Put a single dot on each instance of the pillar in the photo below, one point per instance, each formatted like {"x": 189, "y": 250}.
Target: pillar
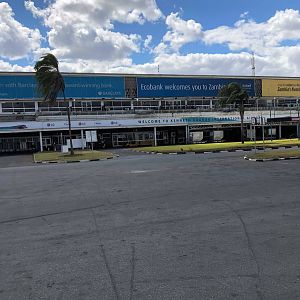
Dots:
{"x": 155, "y": 140}
{"x": 82, "y": 145}
{"x": 36, "y": 106}
{"x": 41, "y": 141}
{"x": 279, "y": 131}
{"x": 187, "y": 134}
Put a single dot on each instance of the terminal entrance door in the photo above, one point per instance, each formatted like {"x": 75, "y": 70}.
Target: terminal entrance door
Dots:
{"x": 132, "y": 139}
{"x": 162, "y": 137}
{"x": 119, "y": 140}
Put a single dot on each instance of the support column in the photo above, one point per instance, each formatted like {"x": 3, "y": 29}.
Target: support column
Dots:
{"x": 279, "y": 131}
{"x": 187, "y": 134}
{"x": 155, "y": 140}
{"x": 36, "y": 106}
{"x": 0, "y": 107}
{"x": 131, "y": 105}
{"x": 82, "y": 146}
{"x": 210, "y": 103}
{"x": 41, "y": 141}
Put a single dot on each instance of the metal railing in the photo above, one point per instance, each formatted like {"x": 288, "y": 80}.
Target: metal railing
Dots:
{"x": 141, "y": 112}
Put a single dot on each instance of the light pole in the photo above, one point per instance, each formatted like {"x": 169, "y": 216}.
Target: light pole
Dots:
{"x": 271, "y": 121}
{"x": 262, "y": 122}
{"x": 70, "y": 103}
{"x": 298, "y": 125}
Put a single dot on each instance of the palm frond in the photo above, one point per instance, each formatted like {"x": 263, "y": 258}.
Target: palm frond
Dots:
{"x": 50, "y": 82}
{"x": 235, "y": 95}
{"x": 232, "y": 94}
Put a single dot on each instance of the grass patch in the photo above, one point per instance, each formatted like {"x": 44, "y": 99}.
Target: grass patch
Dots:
{"x": 62, "y": 157}
{"x": 275, "y": 154}
{"x": 221, "y": 146}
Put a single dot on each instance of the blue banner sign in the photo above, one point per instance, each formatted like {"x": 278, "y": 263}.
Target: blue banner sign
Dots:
{"x": 164, "y": 87}
{"x": 77, "y": 87}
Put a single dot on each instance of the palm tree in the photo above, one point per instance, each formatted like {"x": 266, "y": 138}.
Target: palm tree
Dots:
{"x": 234, "y": 94}
{"x": 50, "y": 84}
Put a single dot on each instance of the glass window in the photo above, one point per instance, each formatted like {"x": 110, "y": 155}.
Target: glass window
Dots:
{"x": 28, "y": 104}
{"x": 7, "y": 105}
{"x": 18, "y": 104}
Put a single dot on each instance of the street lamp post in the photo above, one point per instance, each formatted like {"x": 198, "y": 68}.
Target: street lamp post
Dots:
{"x": 262, "y": 122}
{"x": 298, "y": 125}
{"x": 271, "y": 122}
{"x": 69, "y": 124}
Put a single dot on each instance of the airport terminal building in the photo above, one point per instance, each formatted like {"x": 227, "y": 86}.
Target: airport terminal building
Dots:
{"x": 129, "y": 110}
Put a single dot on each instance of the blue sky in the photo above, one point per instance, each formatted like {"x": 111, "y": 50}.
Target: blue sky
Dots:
{"x": 181, "y": 37}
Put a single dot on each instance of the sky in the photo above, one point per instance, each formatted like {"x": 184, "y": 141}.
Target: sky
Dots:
{"x": 205, "y": 37}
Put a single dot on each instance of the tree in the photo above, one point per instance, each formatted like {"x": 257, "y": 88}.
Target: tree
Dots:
{"x": 235, "y": 95}
{"x": 50, "y": 83}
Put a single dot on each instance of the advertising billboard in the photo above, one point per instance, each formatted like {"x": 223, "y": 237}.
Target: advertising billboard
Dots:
{"x": 280, "y": 88}
{"x": 77, "y": 87}
{"x": 164, "y": 87}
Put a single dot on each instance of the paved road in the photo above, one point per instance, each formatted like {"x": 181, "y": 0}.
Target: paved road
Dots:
{"x": 16, "y": 160}
{"x": 189, "y": 226}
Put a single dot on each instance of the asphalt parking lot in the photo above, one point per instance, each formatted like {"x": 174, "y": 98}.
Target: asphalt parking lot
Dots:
{"x": 193, "y": 226}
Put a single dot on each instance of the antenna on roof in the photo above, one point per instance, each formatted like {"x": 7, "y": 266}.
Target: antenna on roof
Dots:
{"x": 253, "y": 64}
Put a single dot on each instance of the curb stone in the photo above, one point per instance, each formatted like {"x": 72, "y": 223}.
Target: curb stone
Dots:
{"x": 271, "y": 159}
{"x": 73, "y": 161}
{"x": 216, "y": 151}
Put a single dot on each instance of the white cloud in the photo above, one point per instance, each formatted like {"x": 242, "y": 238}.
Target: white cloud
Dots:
{"x": 160, "y": 49}
{"x": 7, "y": 67}
{"x": 148, "y": 41}
{"x": 36, "y": 12}
{"x": 258, "y": 37}
{"x": 90, "y": 66}
{"x": 244, "y": 14}
{"x": 16, "y": 40}
{"x": 283, "y": 62}
{"x": 197, "y": 63}
{"x": 99, "y": 12}
{"x": 181, "y": 32}
{"x": 82, "y": 35}
{"x": 84, "y": 43}
{"x": 84, "y": 29}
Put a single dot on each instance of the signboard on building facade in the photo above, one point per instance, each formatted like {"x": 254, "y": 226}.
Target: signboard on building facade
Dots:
{"x": 207, "y": 118}
{"x": 164, "y": 87}
{"x": 280, "y": 88}
{"x": 117, "y": 123}
{"x": 91, "y": 136}
{"x": 77, "y": 87}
